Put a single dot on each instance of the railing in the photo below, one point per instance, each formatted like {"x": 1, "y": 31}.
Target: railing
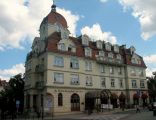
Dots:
{"x": 110, "y": 61}
{"x": 39, "y": 68}
{"x": 40, "y": 84}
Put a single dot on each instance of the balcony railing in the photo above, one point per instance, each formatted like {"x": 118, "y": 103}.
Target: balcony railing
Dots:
{"x": 39, "y": 68}
{"x": 110, "y": 61}
{"x": 40, "y": 85}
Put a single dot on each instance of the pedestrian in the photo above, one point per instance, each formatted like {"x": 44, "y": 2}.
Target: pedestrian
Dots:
{"x": 137, "y": 109}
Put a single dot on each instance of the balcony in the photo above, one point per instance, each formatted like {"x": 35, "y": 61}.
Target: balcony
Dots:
{"x": 40, "y": 85}
{"x": 39, "y": 68}
{"x": 109, "y": 61}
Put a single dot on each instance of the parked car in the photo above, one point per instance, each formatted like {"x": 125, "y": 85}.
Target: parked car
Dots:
{"x": 152, "y": 106}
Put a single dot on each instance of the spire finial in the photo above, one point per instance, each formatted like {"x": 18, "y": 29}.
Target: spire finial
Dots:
{"x": 53, "y": 6}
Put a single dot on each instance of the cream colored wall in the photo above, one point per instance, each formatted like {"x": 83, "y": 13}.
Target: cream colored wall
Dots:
{"x": 95, "y": 73}
{"x": 136, "y": 77}
{"x": 67, "y": 93}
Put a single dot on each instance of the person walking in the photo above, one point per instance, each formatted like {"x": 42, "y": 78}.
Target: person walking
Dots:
{"x": 137, "y": 109}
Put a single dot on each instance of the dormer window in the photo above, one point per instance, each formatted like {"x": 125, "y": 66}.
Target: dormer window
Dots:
{"x": 88, "y": 52}
{"x": 110, "y": 55}
{"x": 62, "y": 47}
{"x": 85, "y": 40}
{"x": 108, "y": 46}
{"x": 99, "y": 44}
{"x": 116, "y": 48}
{"x": 132, "y": 49}
{"x": 101, "y": 53}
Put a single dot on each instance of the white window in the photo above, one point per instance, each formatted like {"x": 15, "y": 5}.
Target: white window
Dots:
{"x": 138, "y": 61}
{"x": 101, "y": 53}
{"x": 110, "y": 55}
{"x": 58, "y": 61}
{"x": 102, "y": 68}
{"x": 112, "y": 83}
{"x": 134, "y": 84}
{"x": 111, "y": 70}
{"x": 141, "y": 73}
{"x": 133, "y": 73}
{"x": 142, "y": 84}
{"x": 108, "y": 47}
{"x": 74, "y": 63}
{"x": 103, "y": 82}
{"x": 85, "y": 40}
{"x": 88, "y": 65}
{"x": 99, "y": 44}
{"x": 89, "y": 80}
{"x": 133, "y": 61}
{"x": 116, "y": 48}
{"x": 88, "y": 52}
{"x": 74, "y": 79}
{"x": 121, "y": 83}
{"x": 58, "y": 78}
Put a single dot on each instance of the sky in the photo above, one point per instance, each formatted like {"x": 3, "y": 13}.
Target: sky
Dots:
{"x": 130, "y": 22}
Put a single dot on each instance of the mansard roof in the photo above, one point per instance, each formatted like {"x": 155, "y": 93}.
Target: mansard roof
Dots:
{"x": 53, "y": 40}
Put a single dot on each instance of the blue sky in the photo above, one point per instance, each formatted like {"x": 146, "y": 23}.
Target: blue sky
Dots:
{"x": 129, "y": 22}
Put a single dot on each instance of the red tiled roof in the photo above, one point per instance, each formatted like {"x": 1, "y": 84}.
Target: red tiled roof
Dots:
{"x": 56, "y": 37}
{"x": 54, "y": 17}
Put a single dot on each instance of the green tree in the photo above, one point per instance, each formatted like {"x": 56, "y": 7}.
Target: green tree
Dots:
{"x": 13, "y": 92}
{"x": 152, "y": 87}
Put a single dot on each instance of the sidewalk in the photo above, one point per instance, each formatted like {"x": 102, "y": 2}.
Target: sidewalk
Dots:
{"x": 84, "y": 115}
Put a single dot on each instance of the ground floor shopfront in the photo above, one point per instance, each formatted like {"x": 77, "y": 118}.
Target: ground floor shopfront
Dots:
{"x": 66, "y": 100}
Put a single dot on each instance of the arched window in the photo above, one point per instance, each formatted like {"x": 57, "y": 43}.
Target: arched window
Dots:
{"x": 60, "y": 99}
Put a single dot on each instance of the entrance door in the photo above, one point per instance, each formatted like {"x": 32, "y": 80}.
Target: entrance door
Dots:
{"x": 75, "y": 102}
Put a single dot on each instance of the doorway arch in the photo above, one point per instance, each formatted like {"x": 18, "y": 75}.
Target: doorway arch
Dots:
{"x": 75, "y": 102}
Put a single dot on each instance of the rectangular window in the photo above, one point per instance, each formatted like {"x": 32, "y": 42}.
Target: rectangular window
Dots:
{"x": 111, "y": 70}
{"x": 75, "y": 79}
{"x": 59, "y": 78}
{"x": 112, "y": 83}
{"x": 133, "y": 73}
{"x": 102, "y": 68}
{"x": 89, "y": 80}
{"x": 88, "y": 65}
{"x": 142, "y": 84}
{"x": 119, "y": 70}
{"x": 88, "y": 52}
{"x": 58, "y": 61}
{"x": 62, "y": 47}
{"x": 141, "y": 73}
{"x": 121, "y": 83}
{"x": 74, "y": 63}
{"x": 103, "y": 82}
{"x": 134, "y": 84}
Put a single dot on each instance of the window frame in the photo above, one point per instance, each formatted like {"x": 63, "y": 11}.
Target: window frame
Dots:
{"x": 60, "y": 99}
{"x": 59, "y": 61}
{"x": 57, "y": 77}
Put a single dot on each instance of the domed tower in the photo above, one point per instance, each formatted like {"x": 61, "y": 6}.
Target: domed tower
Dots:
{"x": 53, "y": 22}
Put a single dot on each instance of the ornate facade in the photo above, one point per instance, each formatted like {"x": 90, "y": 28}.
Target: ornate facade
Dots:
{"x": 64, "y": 73}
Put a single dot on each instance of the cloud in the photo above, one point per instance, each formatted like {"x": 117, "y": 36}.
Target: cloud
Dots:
{"x": 71, "y": 20}
{"x": 150, "y": 59}
{"x": 95, "y": 32}
{"x": 5, "y": 74}
{"x": 19, "y": 21}
{"x": 151, "y": 64}
{"x": 103, "y": 1}
{"x": 144, "y": 11}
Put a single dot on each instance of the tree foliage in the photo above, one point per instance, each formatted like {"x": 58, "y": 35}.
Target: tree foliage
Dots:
{"x": 13, "y": 92}
{"x": 152, "y": 87}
